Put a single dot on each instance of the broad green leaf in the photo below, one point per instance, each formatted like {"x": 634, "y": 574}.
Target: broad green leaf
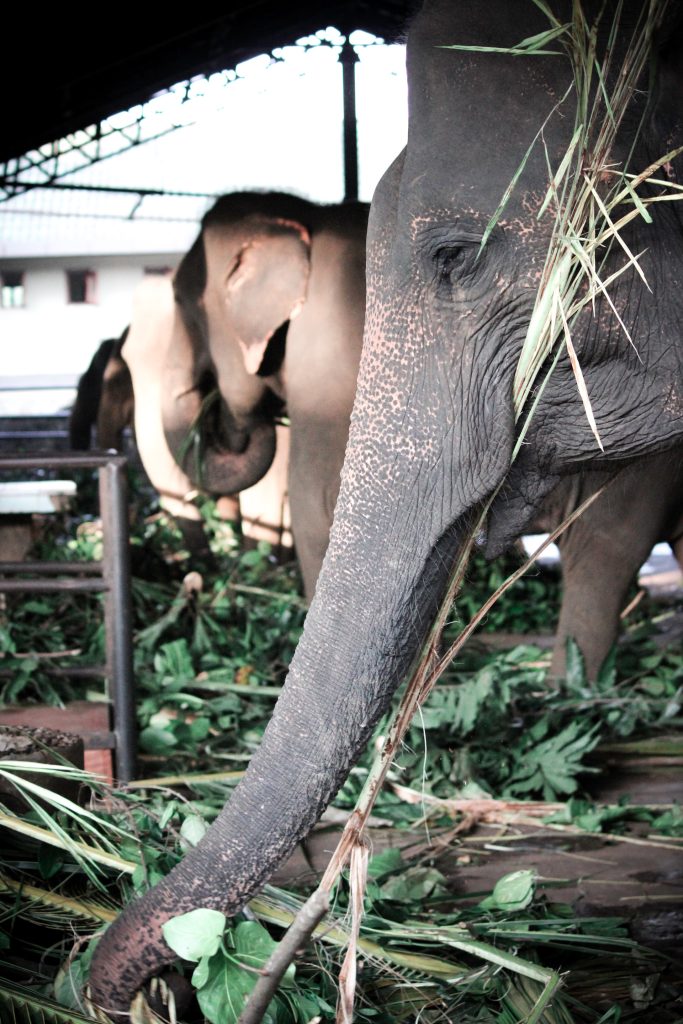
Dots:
{"x": 224, "y": 990}
{"x": 193, "y": 829}
{"x": 227, "y": 981}
{"x": 157, "y": 741}
{"x": 169, "y": 811}
{"x": 253, "y": 947}
{"x": 511, "y": 892}
{"x": 575, "y": 668}
{"x": 201, "y": 973}
{"x": 413, "y": 885}
{"x": 195, "y": 934}
{"x": 200, "y": 728}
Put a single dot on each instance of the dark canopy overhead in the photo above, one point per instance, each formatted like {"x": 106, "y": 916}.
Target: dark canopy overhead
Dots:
{"x": 65, "y": 68}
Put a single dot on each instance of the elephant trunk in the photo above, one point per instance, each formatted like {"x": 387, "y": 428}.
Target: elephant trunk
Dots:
{"x": 359, "y": 640}
{"x": 217, "y": 454}
{"x": 399, "y": 525}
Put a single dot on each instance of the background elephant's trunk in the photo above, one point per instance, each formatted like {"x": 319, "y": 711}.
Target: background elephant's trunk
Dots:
{"x": 216, "y": 453}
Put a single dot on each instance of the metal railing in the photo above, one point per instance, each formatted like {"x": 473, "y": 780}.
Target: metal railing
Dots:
{"x": 111, "y": 577}
{"x": 34, "y": 428}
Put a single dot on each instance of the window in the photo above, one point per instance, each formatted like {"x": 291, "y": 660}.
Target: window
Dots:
{"x": 81, "y": 285}
{"x": 12, "y": 289}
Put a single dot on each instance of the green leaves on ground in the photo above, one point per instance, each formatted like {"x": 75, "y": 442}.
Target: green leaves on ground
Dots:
{"x": 494, "y": 721}
{"x": 550, "y": 765}
{"x": 228, "y": 962}
{"x": 530, "y": 606}
{"x": 210, "y": 660}
{"x": 511, "y": 892}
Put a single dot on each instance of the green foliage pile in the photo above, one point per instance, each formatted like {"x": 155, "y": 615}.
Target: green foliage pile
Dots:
{"x": 212, "y": 644}
{"x": 211, "y": 649}
{"x": 531, "y": 606}
{"x": 425, "y": 952}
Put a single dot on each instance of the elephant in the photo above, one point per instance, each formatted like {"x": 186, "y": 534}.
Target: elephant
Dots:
{"x": 143, "y": 351}
{"x": 270, "y": 303}
{"x": 104, "y": 399}
{"x": 433, "y": 427}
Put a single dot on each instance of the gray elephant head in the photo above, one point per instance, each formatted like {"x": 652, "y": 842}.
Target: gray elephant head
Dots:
{"x": 237, "y": 289}
{"x": 433, "y": 428}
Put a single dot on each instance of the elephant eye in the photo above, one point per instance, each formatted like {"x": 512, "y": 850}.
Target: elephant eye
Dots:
{"x": 453, "y": 262}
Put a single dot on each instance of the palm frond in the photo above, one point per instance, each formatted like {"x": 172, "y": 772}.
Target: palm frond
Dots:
{"x": 48, "y": 903}
{"x": 21, "y": 1005}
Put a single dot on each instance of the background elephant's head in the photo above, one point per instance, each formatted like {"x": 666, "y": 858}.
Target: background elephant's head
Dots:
{"x": 237, "y": 289}
{"x": 104, "y": 399}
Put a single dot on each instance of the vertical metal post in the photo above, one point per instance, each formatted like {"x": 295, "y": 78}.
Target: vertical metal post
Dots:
{"x": 118, "y": 612}
{"x": 349, "y": 59}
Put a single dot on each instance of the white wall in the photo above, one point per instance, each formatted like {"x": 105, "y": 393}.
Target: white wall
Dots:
{"x": 49, "y": 335}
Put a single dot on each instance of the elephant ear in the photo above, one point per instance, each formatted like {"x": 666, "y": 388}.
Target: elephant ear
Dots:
{"x": 266, "y": 285}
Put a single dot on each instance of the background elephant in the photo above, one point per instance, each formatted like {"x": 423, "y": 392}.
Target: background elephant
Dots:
{"x": 104, "y": 399}
{"x": 105, "y": 403}
{"x": 271, "y": 299}
{"x": 433, "y": 429}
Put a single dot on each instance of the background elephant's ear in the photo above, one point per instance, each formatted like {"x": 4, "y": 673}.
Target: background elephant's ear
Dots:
{"x": 266, "y": 285}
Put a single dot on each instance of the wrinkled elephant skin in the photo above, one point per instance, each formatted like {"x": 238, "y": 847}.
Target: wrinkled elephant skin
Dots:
{"x": 432, "y": 430}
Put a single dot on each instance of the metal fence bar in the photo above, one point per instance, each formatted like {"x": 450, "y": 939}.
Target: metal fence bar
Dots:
{"x": 78, "y": 672}
{"x": 53, "y": 568}
{"x": 33, "y": 435}
{"x": 118, "y": 615}
{"x": 38, "y": 586}
{"x": 62, "y": 460}
{"x": 114, "y": 583}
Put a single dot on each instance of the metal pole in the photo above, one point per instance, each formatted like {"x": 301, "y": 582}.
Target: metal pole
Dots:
{"x": 349, "y": 59}
{"x": 62, "y": 460}
{"x": 52, "y": 568}
{"x": 51, "y": 586}
{"x": 118, "y": 613}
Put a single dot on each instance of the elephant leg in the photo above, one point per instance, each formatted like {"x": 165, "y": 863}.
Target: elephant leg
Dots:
{"x": 601, "y": 554}
{"x": 188, "y": 519}
{"x": 116, "y": 408}
{"x": 191, "y": 525}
